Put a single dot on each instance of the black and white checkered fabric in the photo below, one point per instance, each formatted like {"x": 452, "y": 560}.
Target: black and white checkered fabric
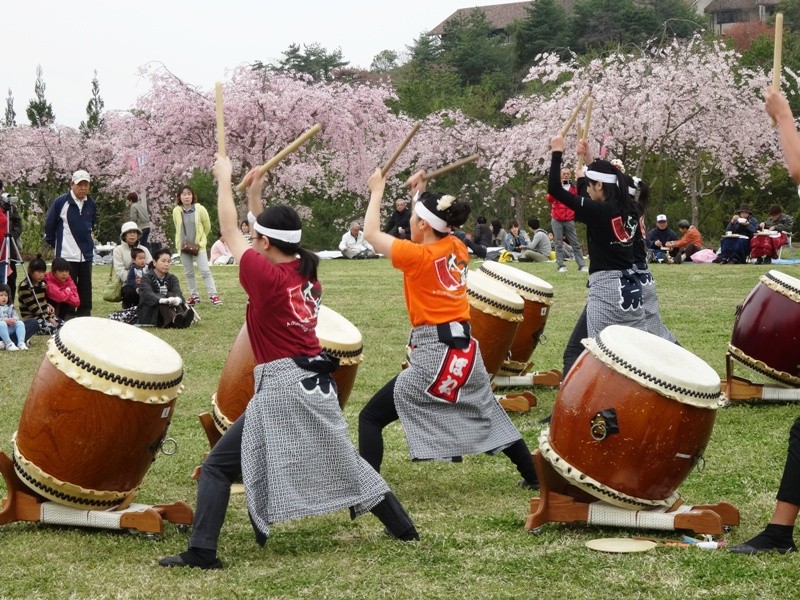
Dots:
{"x": 609, "y": 302}
{"x": 297, "y": 457}
{"x": 652, "y": 311}
{"x": 436, "y": 429}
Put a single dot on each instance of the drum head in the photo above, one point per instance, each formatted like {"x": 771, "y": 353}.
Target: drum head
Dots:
{"x": 657, "y": 364}
{"x": 117, "y": 359}
{"x": 782, "y": 283}
{"x": 338, "y": 336}
{"x": 492, "y": 297}
{"x": 525, "y": 284}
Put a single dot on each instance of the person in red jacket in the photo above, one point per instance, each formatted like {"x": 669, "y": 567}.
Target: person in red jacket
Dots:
{"x": 61, "y": 290}
{"x": 562, "y": 222}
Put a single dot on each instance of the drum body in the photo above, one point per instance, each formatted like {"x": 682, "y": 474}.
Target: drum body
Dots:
{"x": 766, "y": 331}
{"x": 337, "y": 336}
{"x": 537, "y": 295}
{"x": 495, "y": 314}
{"x": 96, "y": 413}
{"x": 632, "y": 418}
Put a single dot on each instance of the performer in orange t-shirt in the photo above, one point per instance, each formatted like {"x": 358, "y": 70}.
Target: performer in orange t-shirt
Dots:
{"x": 444, "y": 399}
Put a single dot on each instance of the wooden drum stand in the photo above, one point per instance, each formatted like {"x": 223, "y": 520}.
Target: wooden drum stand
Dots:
{"x": 562, "y": 502}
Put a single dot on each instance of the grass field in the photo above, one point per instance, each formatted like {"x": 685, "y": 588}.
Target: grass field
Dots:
{"x": 470, "y": 515}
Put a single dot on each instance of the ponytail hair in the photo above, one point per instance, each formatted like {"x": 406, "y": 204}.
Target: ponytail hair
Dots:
{"x": 285, "y": 218}
{"x": 450, "y": 209}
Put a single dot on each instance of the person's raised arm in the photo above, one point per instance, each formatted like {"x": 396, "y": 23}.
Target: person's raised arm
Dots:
{"x": 778, "y": 108}
{"x": 226, "y": 209}
{"x": 382, "y": 242}
{"x": 255, "y": 185}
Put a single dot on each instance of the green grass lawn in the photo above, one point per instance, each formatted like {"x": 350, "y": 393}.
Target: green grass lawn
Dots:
{"x": 470, "y": 515}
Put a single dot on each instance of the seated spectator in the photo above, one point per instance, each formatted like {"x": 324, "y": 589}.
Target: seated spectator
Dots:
{"x": 540, "y": 242}
{"x": 61, "y": 290}
{"x": 130, "y": 291}
{"x": 569, "y": 253}
{"x": 161, "y": 301}
{"x": 690, "y": 242}
{"x": 478, "y": 250}
{"x": 32, "y": 300}
{"x": 122, "y": 258}
{"x": 12, "y": 328}
{"x": 353, "y": 244}
{"x": 734, "y": 246}
{"x": 498, "y": 234}
{"x": 657, "y": 239}
{"x": 220, "y": 253}
{"x": 244, "y": 227}
{"x": 482, "y": 234}
{"x": 517, "y": 243}
{"x": 771, "y": 235}
{"x": 399, "y": 224}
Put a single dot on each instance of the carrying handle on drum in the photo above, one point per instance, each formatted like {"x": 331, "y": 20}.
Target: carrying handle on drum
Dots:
{"x": 168, "y": 446}
{"x": 603, "y": 424}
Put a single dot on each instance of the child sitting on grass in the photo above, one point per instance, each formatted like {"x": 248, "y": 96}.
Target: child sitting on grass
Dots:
{"x": 9, "y": 322}
{"x": 32, "y": 299}
{"x": 61, "y": 289}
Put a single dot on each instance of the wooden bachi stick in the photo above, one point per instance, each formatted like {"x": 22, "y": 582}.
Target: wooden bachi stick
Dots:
{"x": 284, "y": 153}
{"x": 571, "y": 120}
{"x": 220, "y": 121}
{"x": 584, "y": 133}
{"x": 447, "y": 168}
{"x": 776, "y": 56}
{"x": 399, "y": 150}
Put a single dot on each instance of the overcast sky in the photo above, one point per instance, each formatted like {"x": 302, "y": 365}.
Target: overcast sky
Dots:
{"x": 195, "y": 40}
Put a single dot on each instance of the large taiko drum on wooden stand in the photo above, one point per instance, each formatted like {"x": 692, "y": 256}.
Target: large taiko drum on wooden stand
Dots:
{"x": 337, "y": 336}
{"x": 632, "y": 418}
{"x": 96, "y": 413}
{"x": 495, "y": 314}
{"x": 537, "y": 295}
{"x": 766, "y": 332}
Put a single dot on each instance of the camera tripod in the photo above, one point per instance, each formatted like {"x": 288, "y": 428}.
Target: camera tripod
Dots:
{"x": 8, "y": 244}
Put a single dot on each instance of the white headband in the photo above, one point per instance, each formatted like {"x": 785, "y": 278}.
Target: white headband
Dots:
{"x": 632, "y": 190}
{"x": 604, "y": 177}
{"x": 291, "y": 236}
{"x": 438, "y": 223}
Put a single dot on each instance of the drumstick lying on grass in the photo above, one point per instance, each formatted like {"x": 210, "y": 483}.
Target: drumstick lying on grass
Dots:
{"x": 399, "y": 151}
{"x": 283, "y": 153}
{"x": 447, "y": 168}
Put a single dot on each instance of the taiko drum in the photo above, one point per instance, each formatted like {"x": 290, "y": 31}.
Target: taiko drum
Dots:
{"x": 495, "y": 314}
{"x": 766, "y": 331}
{"x": 632, "y": 418}
{"x": 96, "y": 413}
{"x": 337, "y": 336}
{"x": 537, "y": 295}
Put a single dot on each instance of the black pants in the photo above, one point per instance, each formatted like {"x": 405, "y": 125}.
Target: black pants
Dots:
{"x": 130, "y": 297}
{"x": 574, "y": 346}
{"x": 789, "y": 490}
{"x": 81, "y": 273}
{"x": 380, "y": 411}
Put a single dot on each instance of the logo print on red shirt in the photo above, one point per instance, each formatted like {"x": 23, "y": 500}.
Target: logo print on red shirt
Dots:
{"x": 304, "y": 300}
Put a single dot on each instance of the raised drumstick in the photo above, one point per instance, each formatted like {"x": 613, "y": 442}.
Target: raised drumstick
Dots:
{"x": 399, "y": 150}
{"x": 284, "y": 153}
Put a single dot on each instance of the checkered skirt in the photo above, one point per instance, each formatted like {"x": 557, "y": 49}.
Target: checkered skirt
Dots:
{"x": 297, "y": 457}
{"x": 615, "y": 298}
{"x": 437, "y": 429}
{"x": 652, "y": 311}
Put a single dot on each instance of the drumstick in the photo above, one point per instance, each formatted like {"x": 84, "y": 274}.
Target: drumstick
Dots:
{"x": 220, "y": 121}
{"x": 585, "y": 131}
{"x": 776, "y": 56}
{"x": 571, "y": 120}
{"x": 399, "y": 150}
{"x": 447, "y": 168}
{"x": 284, "y": 153}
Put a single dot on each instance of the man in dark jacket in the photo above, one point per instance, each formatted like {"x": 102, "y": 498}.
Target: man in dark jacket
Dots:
{"x": 657, "y": 239}
{"x": 68, "y": 228}
{"x": 399, "y": 224}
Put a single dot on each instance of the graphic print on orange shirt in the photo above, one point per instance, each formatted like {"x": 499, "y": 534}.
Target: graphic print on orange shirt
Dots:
{"x": 451, "y": 273}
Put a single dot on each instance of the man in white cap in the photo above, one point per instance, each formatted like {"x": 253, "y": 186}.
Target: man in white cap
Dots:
{"x": 657, "y": 239}
{"x": 68, "y": 228}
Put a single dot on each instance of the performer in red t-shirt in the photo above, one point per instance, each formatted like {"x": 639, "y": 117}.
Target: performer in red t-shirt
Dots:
{"x": 444, "y": 399}
{"x": 291, "y": 447}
